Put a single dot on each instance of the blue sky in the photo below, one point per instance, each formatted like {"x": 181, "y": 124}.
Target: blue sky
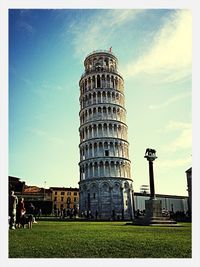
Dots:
{"x": 46, "y": 53}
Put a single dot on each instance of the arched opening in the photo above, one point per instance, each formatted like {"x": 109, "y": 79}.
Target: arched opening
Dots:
{"x": 99, "y": 97}
{"x": 86, "y": 132}
{"x": 101, "y": 169}
{"x": 112, "y": 82}
{"x": 108, "y": 96}
{"x": 86, "y": 151}
{"x": 108, "y": 81}
{"x": 104, "y": 96}
{"x": 94, "y": 98}
{"x": 93, "y": 82}
{"x": 95, "y": 169}
{"x": 91, "y": 170}
{"x": 110, "y": 129}
{"x": 100, "y": 149}
{"x": 98, "y": 81}
{"x": 111, "y": 149}
{"x": 117, "y": 169}
{"x": 90, "y": 131}
{"x": 107, "y": 172}
{"x": 100, "y": 133}
{"x": 103, "y": 81}
{"x": 109, "y": 113}
{"x": 90, "y": 150}
{"x": 86, "y": 171}
{"x": 95, "y": 149}
{"x": 105, "y": 129}
{"x": 95, "y": 130}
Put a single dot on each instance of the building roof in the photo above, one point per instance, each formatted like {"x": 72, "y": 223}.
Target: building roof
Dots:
{"x": 64, "y": 188}
{"x": 13, "y": 178}
{"x": 35, "y": 189}
{"x": 32, "y": 189}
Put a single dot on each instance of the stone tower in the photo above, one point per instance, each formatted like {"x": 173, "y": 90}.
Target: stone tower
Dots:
{"x": 105, "y": 179}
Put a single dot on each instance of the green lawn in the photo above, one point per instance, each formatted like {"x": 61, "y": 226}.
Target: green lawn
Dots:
{"x": 100, "y": 240}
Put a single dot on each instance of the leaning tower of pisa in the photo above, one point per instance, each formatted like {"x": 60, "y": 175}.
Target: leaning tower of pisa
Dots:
{"x": 106, "y": 190}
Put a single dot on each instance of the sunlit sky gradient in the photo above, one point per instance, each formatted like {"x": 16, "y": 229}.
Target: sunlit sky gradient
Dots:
{"x": 46, "y": 53}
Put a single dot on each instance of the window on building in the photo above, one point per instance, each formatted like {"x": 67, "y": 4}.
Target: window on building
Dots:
{"x": 94, "y": 195}
{"x": 55, "y": 193}
{"x": 106, "y": 153}
{"x": 75, "y": 193}
{"x": 55, "y": 198}
{"x": 74, "y": 199}
{"x": 68, "y": 193}
{"x": 62, "y": 193}
{"x": 62, "y": 198}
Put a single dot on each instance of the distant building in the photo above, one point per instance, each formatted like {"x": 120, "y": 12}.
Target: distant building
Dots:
{"x": 65, "y": 197}
{"x": 189, "y": 188}
{"x": 15, "y": 185}
{"x": 169, "y": 202}
{"x": 45, "y": 199}
{"x": 40, "y": 197}
{"x": 57, "y": 198}
{"x": 35, "y": 193}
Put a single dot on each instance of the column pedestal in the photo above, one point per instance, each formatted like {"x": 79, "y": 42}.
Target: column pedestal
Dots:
{"x": 153, "y": 209}
{"x": 153, "y": 215}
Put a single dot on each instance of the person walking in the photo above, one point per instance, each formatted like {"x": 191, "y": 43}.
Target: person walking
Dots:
{"x": 20, "y": 216}
{"x": 31, "y": 211}
{"x": 13, "y": 201}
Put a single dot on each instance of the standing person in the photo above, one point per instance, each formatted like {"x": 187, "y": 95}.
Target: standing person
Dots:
{"x": 31, "y": 211}
{"x": 39, "y": 213}
{"x": 20, "y": 217}
{"x": 13, "y": 201}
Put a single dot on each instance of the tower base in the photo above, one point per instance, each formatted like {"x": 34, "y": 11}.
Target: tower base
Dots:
{"x": 106, "y": 198}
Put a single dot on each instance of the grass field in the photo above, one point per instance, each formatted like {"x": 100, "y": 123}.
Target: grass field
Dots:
{"x": 100, "y": 240}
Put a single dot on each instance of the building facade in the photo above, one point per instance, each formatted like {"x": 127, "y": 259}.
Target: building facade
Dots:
{"x": 65, "y": 198}
{"x": 41, "y": 198}
{"x": 105, "y": 169}
{"x": 171, "y": 203}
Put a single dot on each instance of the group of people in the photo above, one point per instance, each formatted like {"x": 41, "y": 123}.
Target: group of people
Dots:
{"x": 19, "y": 216}
{"x": 65, "y": 213}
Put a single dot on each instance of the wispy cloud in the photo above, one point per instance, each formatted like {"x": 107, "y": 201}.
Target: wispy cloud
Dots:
{"x": 44, "y": 88}
{"x": 27, "y": 27}
{"x": 184, "y": 138}
{"x": 171, "y": 53}
{"x": 23, "y": 21}
{"x": 172, "y": 163}
{"x": 178, "y": 125}
{"x": 45, "y": 135}
{"x": 47, "y": 86}
{"x": 170, "y": 101}
{"x": 99, "y": 30}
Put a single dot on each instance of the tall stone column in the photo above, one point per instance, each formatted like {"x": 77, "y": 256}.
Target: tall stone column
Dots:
{"x": 153, "y": 206}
